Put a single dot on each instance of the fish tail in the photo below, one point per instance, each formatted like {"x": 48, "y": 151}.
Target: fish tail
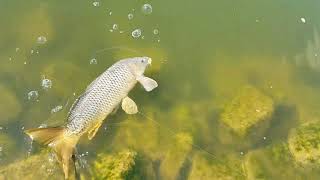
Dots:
{"x": 63, "y": 145}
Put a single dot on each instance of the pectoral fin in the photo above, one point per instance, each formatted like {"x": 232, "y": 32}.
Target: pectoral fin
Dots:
{"x": 129, "y": 106}
{"x": 93, "y": 131}
{"x": 148, "y": 83}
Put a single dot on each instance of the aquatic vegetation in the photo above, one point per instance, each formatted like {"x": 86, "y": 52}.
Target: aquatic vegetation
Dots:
{"x": 259, "y": 164}
{"x": 10, "y": 106}
{"x": 249, "y": 111}
{"x": 222, "y": 170}
{"x": 176, "y": 156}
{"x": 40, "y": 166}
{"x": 114, "y": 166}
{"x": 304, "y": 144}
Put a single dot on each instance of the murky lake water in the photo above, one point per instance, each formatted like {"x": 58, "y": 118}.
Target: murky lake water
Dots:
{"x": 217, "y": 64}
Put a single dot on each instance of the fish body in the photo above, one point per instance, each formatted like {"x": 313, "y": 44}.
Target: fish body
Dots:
{"x": 100, "y": 99}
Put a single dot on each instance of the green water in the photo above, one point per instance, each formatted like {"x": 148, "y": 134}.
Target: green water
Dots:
{"x": 203, "y": 54}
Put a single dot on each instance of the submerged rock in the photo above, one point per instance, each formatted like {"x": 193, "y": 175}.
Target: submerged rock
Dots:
{"x": 10, "y": 106}
{"x": 116, "y": 166}
{"x": 247, "y": 115}
{"x": 40, "y": 166}
{"x": 260, "y": 164}
{"x": 176, "y": 156}
{"x": 205, "y": 169}
{"x": 304, "y": 144}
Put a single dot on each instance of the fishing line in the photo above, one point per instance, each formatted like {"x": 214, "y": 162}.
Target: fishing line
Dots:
{"x": 172, "y": 132}
{"x": 117, "y": 47}
{"x": 100, "y": 51}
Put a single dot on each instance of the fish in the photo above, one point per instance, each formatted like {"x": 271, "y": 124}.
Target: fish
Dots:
{"x": 100, "y": 99}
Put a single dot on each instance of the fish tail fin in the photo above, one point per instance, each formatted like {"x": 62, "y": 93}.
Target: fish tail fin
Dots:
{"x": 63, "y": 145}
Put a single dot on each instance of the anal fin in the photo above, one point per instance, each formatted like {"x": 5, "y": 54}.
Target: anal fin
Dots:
{"x": 93, "y": 131}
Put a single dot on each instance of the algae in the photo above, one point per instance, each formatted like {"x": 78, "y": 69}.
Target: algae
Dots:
{"x": 304, "y": 144}
{"x": 176, "y": 156}
{"x": 39, "y": 166}
{"x": 261, "y": 163}
{"x": 114, "y": 166}
{"x": 228, "y": 169}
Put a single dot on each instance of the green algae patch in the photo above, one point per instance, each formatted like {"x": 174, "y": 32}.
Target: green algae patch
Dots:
{"x": 304, "y": 144}
{"x": 273, "y": 162}
{"x": 10, "y": 106}
{"x": 116, "y": 166}
{"x": 228, "y": 169}
{"x": 40, "y": 166}
{"x": 246, "y": 117}
{"x": 176, "y": 156}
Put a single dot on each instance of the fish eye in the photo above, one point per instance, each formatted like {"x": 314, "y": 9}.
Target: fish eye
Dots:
{"x": 143, "y": 60}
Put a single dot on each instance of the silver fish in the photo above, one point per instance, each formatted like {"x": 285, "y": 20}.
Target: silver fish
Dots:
{"x": 99, "y": 100}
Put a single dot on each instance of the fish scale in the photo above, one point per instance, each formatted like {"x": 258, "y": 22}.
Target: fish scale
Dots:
{"x": 100, "y": 98}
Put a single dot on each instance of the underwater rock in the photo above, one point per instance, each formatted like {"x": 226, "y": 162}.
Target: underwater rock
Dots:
{"x": 246, "y": 116}
{"x": 176, "y": 156}
{"x": 10, "y": 106}
{"x": 304, "y": 144}
{"x": 205, "y": 169}
{"x": 40, "y": 166}
{"x": 117, "y": 166}
{"x": 129, "y": 134}
{"x": 261, "y": 163}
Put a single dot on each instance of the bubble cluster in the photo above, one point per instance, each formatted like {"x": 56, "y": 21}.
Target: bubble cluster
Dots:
{"x": 93, "y": 61}
{"x": 146, "y": 9}
{"x": 136, "y": 33}
{"x": 56, "y": 109}
{"x": 41, "y": 40}
{"x": 33, "y": 95}
{"x": 46, "y": 84}
{"x": 130, "y": 16}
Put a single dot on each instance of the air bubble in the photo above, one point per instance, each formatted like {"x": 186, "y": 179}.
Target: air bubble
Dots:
{"x": 136, "y": 33}
{"x": 130, "y": 16}
{"x": 93, "y": 61}
{"x": 33, "y": 95}
{"x": 46, "y": 84}
{"x": 41, "y": 40}
{"x": 43, "y": 126}
{"x": 115, "y": 27}
{"x": 303, "y": 20}
{"x": 146, "y": 9}
{"x": 96, "y": 3}
{"x": 56, "y": 109}
{"x": 155, "y": 31}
